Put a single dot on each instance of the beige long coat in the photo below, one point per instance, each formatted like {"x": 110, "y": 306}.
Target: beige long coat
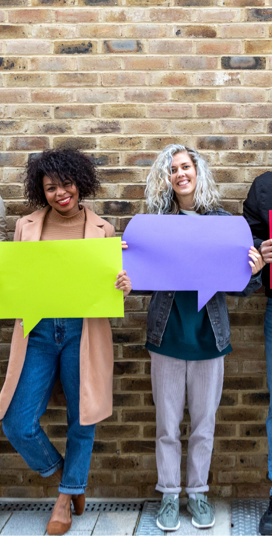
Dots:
{"x": 96, "y": 350}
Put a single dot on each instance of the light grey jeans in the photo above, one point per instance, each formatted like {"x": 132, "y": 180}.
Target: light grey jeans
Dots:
{"x": 204, "y": 381}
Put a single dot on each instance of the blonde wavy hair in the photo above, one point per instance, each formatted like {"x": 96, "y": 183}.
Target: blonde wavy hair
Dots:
{"x": 159, "y": 193}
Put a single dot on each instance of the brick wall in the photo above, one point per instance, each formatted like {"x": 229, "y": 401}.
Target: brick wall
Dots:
{"x": 121, "y": 79}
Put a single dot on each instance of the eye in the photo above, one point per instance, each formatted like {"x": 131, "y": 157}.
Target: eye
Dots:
{"x": 51, "y": 189}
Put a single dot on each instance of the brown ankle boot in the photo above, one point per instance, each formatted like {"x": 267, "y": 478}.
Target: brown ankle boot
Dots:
{"x": 79, "y": 503}
{"x": 58, "y": 527}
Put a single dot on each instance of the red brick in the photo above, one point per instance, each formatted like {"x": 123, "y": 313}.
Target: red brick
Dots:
{"x": 146, "y": 126}
{"x": 218, "y": 47}
{"x": 258, "y": 110}
{"x": 171, "y": 79}
{"x": 75, "y": 47}
{"x": 170, "y": 47}
{"x": 170, "y": 110}
{"x": 75, "y": 79}
{"x": 123, "y": 79}
{"x": 241, "y": 126}
{"x": 8, "y": 31}
{"x": 29, "y": 112}
{"x": 244, "y": 3}
{"x": 222, "y": 143}
{"x": 131, "y": 46}
{"x": 75, "y": 111}
{"x": 52, "y": 95}
{"x": 218, "y": 79}
{"x": 195, "y": 63}
{"x": 218, "y": 110}
{"x": 28, "y": 46}
{"x": 99, "y": 31}
{"x": 243, "y": 95}
{"x": 263, "y": 46}
{"x": 27, "y": 144}
{"x": 230, "y": 31}
{"x": 170, "y": 15}
{"x": 98, "y": 63}
{"x": 52, "y": 64}
{"x": 192, "y": 127}
{"x": 146, "y": 63}
{"x": 193, "y": 95}
{"x": 14, "y": 95}
{"x": 27, "y": 80}
{"x": 146, "y": 95}
{"x": 97, "y": 95}
{"x": 145, "y": 31}
{"x": 123, "y": 110}
{"x": 75, "y": 16}
{"x": 50, "y": 31}
{"x": 124, "y": 15}
{"x": 262, "y": 79}
{"x": 37, "y": 16}
{"x": 197, "y": 31}
{"x": 98, "y": 127}
{"x": 217, "y": 15}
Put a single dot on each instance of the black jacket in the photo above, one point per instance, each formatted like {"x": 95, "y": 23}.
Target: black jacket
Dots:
{"x": 256, "y": 212}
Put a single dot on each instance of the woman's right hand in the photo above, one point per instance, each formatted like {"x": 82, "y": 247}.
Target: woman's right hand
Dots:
{"x": 266, "y": 251}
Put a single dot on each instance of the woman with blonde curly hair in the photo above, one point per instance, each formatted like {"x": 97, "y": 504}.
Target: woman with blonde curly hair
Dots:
{"x": 187, "y": 347}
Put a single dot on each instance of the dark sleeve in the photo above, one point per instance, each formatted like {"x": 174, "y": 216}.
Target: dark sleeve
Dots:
{"x": 252, "y": 214}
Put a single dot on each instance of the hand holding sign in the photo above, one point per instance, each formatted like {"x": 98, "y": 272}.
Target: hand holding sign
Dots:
{"x": 174, "y": 252}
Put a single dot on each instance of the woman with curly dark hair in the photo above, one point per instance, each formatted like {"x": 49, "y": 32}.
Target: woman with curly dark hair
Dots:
{"x": 79, "y": 350}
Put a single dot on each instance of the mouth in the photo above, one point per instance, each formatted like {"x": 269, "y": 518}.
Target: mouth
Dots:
{"x": 64, "y": 202}
{"x": 183, "y": 183}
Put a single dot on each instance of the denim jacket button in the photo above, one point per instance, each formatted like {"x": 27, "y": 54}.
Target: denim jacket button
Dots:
{"x": 170, "y": 295}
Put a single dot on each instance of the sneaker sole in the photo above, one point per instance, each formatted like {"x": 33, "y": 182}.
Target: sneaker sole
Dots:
{"x": 195, "y": 524}
{"x": 167, "y": 528}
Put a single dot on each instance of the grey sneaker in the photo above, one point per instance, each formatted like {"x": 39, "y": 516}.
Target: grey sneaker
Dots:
{"x": 168, "y": 515}
{"x": 202, "y": 512}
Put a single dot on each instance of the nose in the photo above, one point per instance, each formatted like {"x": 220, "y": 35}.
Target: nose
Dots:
{"x": 61, "y": 190}
{"x": 180, "y": 172}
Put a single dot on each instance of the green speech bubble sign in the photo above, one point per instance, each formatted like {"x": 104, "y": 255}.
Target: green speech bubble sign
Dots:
{"x": 60, "y": 279}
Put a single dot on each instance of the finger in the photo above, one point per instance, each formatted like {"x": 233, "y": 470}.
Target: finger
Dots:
{"x": 251, "y": 264}
{"x": 124, "y": 245}
{"x": 122, "y": 273}
{"x": 253, "y": 257}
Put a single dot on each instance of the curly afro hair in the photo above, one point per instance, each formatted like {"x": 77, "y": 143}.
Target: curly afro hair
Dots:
{"x": 60, "y": 164}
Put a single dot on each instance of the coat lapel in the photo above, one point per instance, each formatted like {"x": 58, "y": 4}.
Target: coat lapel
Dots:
{"x": 32, "y": 230}
{"x": 94, "y": 225}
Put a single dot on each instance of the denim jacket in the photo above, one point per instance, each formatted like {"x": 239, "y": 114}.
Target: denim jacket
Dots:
{"x": 162, "y": 301}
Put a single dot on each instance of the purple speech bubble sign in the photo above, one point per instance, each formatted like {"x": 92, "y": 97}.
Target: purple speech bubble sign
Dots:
{"x": 174, "y": 252}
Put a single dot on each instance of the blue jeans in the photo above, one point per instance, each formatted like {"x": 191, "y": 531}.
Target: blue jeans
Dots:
{"x": 268, "y": 350}
{"x": 53, "y": 349}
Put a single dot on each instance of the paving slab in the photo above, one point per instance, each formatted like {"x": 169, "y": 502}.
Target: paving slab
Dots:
{"x": 83, "y": 525}
{"x": 148, "y": 527}
{"x": 3, "y": 519}
{"x": 116, "y": 524}
{"x": 26, "y": 524}
{"x": 222, "y": 526}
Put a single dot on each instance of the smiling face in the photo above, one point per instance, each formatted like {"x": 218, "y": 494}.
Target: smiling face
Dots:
{"x": 184, "y": 180}
{"x": 63, "y": 197}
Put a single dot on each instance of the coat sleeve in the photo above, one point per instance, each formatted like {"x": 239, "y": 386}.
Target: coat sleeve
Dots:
{"x": 18, "y": 231}
{"x": 252, "y": 215}
{"x": 3, "y": 222}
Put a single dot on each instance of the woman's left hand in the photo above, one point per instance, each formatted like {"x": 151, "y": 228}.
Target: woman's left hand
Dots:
{"x": 257, "y": 262}
{"x": 123, "y": 283}
{"x": 124, "y": 245}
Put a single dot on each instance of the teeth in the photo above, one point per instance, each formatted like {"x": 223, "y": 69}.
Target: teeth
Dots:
{"x": 64, "y": 201}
